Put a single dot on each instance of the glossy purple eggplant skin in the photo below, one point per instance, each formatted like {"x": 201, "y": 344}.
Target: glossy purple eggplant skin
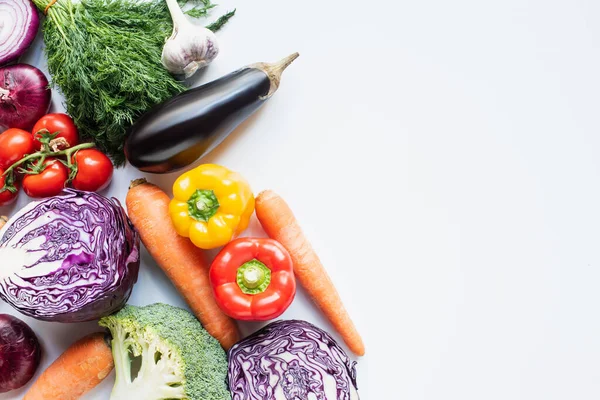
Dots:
{"x": 20, "y": 353}
{"x": 176, "y": 133}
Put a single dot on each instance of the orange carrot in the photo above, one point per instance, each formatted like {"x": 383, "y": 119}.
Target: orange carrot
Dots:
{"x": 279, "y": 222}
{"x": 182, "y": 262}
{"x": 77, "y": 371}
{"x": 3, "y": 221}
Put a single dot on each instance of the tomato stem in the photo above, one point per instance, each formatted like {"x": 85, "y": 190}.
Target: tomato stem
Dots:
{"x": 43, "y": 154}
{"x": 39, "y": 167}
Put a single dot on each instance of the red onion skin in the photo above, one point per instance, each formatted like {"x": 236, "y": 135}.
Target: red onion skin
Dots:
{"x": 24, "y": 96}
{"x": 25, "y": 33}
{"x": 20, "y": 353}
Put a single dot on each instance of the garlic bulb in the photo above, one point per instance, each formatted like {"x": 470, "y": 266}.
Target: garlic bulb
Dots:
{"x": 190, "y": 47}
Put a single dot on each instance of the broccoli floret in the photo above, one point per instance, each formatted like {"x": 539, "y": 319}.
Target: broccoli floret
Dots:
{"x": 177, "y": 358}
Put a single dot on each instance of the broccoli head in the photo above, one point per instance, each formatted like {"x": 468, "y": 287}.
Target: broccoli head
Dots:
{"x": 163, "y": 352}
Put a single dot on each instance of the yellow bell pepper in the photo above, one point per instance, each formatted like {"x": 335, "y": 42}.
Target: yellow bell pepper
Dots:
{"x": 211, "y": 205}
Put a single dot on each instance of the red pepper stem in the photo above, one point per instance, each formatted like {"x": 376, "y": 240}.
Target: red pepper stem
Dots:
{"x": 253, "y": 277}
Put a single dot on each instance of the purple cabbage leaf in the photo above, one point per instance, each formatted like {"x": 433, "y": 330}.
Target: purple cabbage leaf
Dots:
{"x": 291, "y": 360}
{"x": 69, "y": 258}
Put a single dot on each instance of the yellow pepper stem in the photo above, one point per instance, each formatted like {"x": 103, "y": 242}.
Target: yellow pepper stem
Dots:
{"x": 203, "y": 204}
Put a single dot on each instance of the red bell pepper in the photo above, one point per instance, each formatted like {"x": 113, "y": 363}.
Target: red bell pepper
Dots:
{"x": 253, "y": 279}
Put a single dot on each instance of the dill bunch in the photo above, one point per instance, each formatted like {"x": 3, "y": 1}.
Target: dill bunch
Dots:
{"x": 105, "y": 56}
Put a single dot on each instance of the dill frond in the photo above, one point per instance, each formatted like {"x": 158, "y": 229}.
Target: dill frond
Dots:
{"x": 105, "y": 56}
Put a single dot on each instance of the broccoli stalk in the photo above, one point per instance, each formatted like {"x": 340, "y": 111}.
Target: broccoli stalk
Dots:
{"x": 178, "y": 358}
{"x": 166, "y": 378}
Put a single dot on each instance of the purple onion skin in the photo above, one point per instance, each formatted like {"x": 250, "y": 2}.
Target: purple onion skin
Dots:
{"x": 25, "y": 96}
{"x": 15, "y": 42}
{"x": 20, "y": 353}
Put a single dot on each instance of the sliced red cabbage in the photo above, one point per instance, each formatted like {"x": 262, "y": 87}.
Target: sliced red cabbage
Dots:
{"x": 18, "y": 27}
{"x": 69, "y": 258}
{"x": 291, "y": 360}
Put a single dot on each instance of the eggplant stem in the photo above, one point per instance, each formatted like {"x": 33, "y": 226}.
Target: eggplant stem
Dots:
{"x": 274, "y": 71}
{"x": 281, "y": 65}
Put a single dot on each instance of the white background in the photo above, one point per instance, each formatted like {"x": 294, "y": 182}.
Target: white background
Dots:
{"x": 442, "y": 158}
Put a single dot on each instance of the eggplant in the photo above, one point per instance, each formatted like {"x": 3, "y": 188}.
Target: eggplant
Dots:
{"x": 176, "y": 133}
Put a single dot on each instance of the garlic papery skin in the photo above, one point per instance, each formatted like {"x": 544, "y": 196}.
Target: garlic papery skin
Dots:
{"x": 190, "y": 47}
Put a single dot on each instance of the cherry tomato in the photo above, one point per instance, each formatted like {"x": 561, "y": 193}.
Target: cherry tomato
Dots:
{"x": 50, "y": 182}
{"x": 94, "y": 170}
{"x": 7, "y": 197}
{"x": 57, "y": 122}
{"x": 14, "y": 144}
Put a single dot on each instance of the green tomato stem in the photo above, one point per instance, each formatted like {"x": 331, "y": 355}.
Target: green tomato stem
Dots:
{"x": 43, "y": 154}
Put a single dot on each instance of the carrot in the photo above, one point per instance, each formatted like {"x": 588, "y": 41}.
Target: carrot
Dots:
{"x": 77, "y": 371}
{"x": 182, "y": 262}
{"x": 3, "y": 221}
{"x": 280, "y": 224}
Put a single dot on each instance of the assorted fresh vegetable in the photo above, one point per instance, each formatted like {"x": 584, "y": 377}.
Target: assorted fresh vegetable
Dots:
{"x": 211, "y": 205}
{"x": 20, "y": 353}
{"x": 184, "y": 263}
{"x": 75, "y": 255}
{"x": 190, "y": 47}
{"x": 181, "y": 130}
{"x": 278, "y": 220}
{"x": 163, "y": 352}
{"x": 24, "y": 96}
{"x": 69, "y": 258}
{"x": 253, "y": 279}
{"x": 291, "y": 360}
{"x": 19, "y": 26}
{"x": 77, "y": 371}
{"x": 105, "y": 56}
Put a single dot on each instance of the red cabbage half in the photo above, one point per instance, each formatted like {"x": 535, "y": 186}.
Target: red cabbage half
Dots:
{"x": 291, "y": 360}
{"x": 69, "y": 258}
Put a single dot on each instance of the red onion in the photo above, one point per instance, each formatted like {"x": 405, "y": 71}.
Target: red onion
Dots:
{"x": 20, "y": 353}
{"x": 18, "y": 27}
{"x": 24, "y": 96}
